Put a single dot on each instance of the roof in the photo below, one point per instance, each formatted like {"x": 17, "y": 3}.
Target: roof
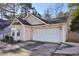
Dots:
{"x": 23, "y": 21}
{"x": 3, "y": 24}
{"x": 55, "y": 20}
{"x": 1, "y": 20}
{"x": 50, "y": 21}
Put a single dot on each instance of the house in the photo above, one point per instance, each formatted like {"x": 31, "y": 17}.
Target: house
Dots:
{"x": 35, "y": 28}
{"x": 4, "y": 28}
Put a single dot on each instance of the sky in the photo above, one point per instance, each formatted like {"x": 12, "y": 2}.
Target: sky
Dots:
{"x": 40, "y": 7}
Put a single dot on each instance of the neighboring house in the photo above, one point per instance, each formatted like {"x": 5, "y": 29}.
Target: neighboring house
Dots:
{"x": 35, "y": 28}
{"x": 4, "y": 28}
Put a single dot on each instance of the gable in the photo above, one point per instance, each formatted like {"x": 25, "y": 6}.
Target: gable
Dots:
{"x": 19, "y": 21}
{"x": 16, "y": 22}
{"x": 23, "y": 21}
{"x": 33, "y": 20}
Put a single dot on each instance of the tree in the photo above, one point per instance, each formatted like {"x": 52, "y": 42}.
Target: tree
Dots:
{"x": 73, "y": 9}
{"x": 61, "y": 14}
{"x": 8, "y": 10}
{"x": 34, "y": 12}
{"x": 25, "y": 7}
{"x": 10, "y": 7}
{"x": 48, "y": 13}
{"x": 73, "y": 5}
{"x": 58, "y": 8}
{"x": 75, "y": 24}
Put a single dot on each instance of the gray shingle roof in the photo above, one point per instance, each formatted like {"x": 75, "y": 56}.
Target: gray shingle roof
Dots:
{"x": 55, "y": 20}
{"x": 52, "y": 21}
{"x": 23, "y": 21}
{"x": 3, "y": 24}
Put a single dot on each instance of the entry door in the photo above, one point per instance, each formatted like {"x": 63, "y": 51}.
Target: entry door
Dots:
{"x": 16, "y": 34}
{"x": 13, "y": 33}
{"x": 47, "y": 35}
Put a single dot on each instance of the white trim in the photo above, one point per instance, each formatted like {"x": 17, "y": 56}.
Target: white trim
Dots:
{"x": 20, "y": 22}
{"x": 17, "y": 20}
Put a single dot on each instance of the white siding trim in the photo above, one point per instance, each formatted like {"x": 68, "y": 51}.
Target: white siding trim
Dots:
{"x": 17, "y": 20}
{"x": 64, "y": 32}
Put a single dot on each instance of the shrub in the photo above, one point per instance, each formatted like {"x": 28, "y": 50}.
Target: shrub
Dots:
{"x": 8, "y": 39}
{"x": 75, "y": 24}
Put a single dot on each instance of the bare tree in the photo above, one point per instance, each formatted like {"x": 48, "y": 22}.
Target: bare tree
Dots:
{"x": 24, "y": 8}
{"x": 58, "y": 8}
{"x": 7, "y": 9}
{"x": 48, "y": 13}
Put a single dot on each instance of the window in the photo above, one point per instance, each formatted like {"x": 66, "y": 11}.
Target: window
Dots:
{"x": 13, "y": 33}
{"x": 18, "y": 33}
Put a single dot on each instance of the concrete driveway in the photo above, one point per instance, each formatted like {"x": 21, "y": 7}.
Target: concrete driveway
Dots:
{"x": 34, "y": 48}
{"x": 51, "y": 49}
{"x": 39, "y": 48}
{"x": 44, "y": 50}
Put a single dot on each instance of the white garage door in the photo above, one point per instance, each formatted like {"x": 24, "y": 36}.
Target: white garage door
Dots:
{"x": 48, "y": 35}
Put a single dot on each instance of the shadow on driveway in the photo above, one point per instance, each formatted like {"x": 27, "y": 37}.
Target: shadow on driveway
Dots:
{"x": 32, "y": 44}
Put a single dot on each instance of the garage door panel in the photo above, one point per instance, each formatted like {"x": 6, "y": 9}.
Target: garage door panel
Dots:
{"x": 47, "y": 35}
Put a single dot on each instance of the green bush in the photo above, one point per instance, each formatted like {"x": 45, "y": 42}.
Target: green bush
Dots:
{"x": 8, "y": 39}
{"x": 75, "y": 24}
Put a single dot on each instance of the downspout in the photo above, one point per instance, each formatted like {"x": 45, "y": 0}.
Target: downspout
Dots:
{"x": 31, "y": 33}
